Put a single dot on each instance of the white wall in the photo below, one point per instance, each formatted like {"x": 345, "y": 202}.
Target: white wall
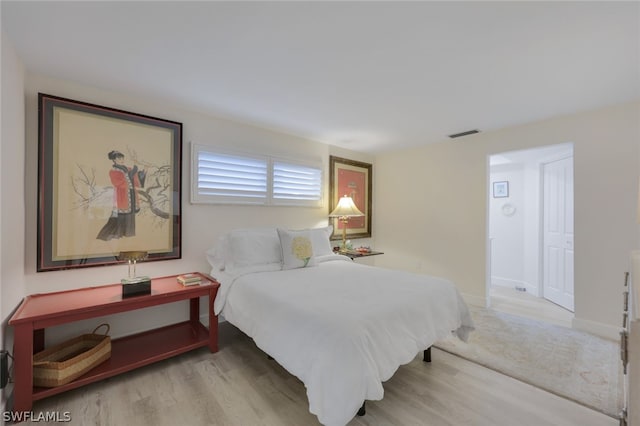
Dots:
{"x": 201, "y": 224}
{"x": 507, "y": 232}
{"x": 12, "y": 282}
{"x": 441, "y": 191}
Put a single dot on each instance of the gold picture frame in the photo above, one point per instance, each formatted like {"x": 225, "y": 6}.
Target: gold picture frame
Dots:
{"x": 352, "y": 178}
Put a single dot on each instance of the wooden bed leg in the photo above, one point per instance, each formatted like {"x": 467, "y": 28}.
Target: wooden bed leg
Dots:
{"x": 362, "y": 411}
{"x": 426, "y": 357}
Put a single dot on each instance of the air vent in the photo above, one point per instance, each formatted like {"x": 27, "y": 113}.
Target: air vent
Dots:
{"x": 468, "y": 132}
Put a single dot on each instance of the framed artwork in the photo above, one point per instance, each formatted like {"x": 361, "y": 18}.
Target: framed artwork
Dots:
{"x": 352, "y": 178}
{"x": 108, "y": 181}
{"x": 500, "y": 189}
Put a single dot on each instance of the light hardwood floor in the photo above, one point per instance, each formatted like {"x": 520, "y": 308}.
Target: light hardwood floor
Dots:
{"x": 240, "y": 386}
{"x": 511, "y": 301}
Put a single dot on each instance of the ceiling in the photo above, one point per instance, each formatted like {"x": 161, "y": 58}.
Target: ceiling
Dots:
{"x": 367, "y": 76}
{"x": 533, "y": 155}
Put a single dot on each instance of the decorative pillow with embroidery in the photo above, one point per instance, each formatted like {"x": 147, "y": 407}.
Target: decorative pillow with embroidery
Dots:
{"x": 297, "y": 249}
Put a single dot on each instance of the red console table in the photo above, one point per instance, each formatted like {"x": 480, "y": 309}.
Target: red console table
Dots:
{"x": 39, "y": 311}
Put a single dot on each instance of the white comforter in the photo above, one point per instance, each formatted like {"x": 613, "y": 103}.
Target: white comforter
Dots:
{"x": 340, "y": 327}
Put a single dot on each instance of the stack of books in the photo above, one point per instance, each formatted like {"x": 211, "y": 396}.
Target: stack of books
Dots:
{"x": 189, "y": 279}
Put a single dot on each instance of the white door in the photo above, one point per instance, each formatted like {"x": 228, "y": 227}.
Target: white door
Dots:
{"x": 558, "y": 232}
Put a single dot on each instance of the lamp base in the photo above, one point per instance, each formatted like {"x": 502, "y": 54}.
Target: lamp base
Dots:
{"x": 137, "y": 286}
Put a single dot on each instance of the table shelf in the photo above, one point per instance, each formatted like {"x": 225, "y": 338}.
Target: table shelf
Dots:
{"x": 135, "y": 351}
{"x": 40, "y": 311}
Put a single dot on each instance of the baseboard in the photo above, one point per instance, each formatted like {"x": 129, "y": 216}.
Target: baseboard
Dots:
{"x": 474, "y": 300}
{"x": 599, "y": 329}
{"x": 7, "y": 402}
{"x": 505, "y": 282}
{"x": 204, "y": 319}
{"x": 517, "y": 284}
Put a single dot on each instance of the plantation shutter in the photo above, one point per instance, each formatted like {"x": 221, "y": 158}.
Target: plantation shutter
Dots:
{"x": 236, "y": 178}
{"x": 296, "y": 184}
{"x": 229, "y": 178}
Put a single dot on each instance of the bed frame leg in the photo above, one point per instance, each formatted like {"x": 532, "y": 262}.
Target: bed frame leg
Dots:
{"x": 426, "y": 356}
{"x": 362, "y": 411}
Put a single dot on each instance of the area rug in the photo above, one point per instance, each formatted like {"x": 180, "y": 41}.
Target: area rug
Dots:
{"x": 569, "y": 363}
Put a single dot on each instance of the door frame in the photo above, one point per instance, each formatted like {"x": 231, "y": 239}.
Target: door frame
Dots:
{"x": 565, "y": 150}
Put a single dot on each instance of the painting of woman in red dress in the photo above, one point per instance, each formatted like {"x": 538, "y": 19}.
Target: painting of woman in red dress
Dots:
{"x": 126, "y": 202}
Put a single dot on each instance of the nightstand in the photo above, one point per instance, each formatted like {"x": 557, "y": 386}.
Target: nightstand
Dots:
{"x": 353, "y": 254}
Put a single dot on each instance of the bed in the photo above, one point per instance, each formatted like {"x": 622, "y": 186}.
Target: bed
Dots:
{"x": 342, "y": 328}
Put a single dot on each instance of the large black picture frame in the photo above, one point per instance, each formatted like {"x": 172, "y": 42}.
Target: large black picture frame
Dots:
{"x": 108, "y": 181}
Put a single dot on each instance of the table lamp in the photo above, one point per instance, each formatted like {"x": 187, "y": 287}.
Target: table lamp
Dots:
{"x": 134, "y": 285}
{"x": 345, "y": 209}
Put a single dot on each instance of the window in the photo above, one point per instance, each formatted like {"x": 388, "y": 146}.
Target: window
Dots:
{"x": 296, "y": 184}
{"x": 228, "y": 178}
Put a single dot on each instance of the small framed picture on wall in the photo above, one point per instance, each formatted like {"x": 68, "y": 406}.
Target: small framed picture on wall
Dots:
{"x": 501, "y": 189}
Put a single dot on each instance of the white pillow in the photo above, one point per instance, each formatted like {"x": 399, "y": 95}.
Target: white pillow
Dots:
{"x": 320, "y": 240}
{"x": 218, "y": 255}
{"x": 297, "y": 249}
{"x": 256, "y": 246}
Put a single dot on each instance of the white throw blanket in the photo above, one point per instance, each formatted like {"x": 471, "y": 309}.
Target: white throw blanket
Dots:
{"x": 340, "y": 327}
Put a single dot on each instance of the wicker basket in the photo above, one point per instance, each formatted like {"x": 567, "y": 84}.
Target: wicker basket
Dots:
{"x": 69, "y": 360}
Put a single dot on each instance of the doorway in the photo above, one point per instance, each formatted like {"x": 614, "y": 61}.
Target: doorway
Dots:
{"x": 530, "y": 232}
